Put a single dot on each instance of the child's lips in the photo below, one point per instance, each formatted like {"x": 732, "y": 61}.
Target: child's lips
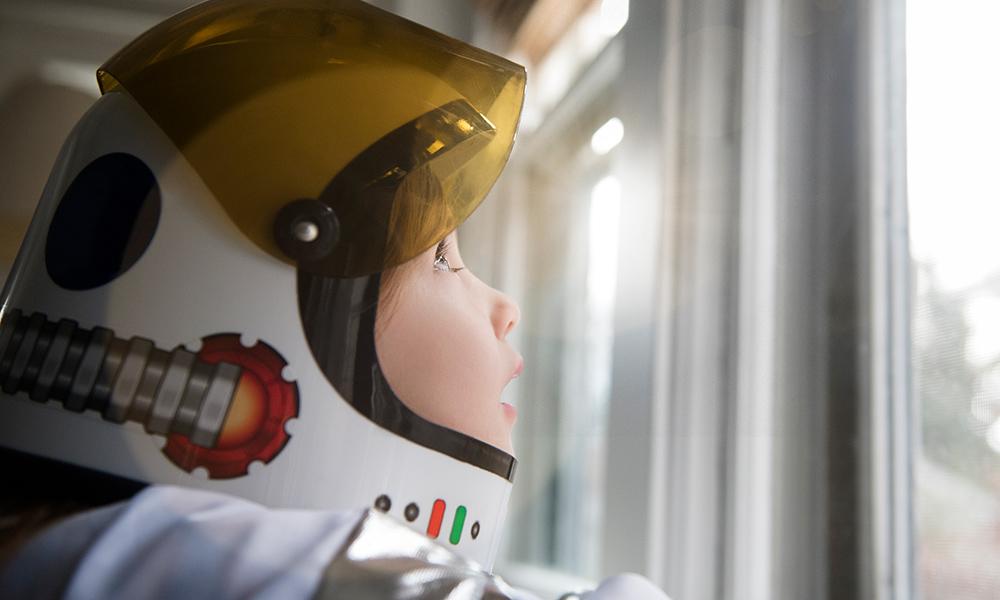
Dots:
{"x": 509, "y": 410}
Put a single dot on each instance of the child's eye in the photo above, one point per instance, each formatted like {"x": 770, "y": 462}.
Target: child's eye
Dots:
{"x": 441, "y": 264}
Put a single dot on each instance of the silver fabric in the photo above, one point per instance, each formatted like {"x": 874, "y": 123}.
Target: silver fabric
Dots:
{"x": 385, "y": 560}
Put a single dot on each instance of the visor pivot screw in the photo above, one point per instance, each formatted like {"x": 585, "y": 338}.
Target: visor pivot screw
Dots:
{"x": 306, "y": 230}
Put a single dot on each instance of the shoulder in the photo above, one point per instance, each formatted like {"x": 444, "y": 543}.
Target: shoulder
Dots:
{"x": 177, "y": 542}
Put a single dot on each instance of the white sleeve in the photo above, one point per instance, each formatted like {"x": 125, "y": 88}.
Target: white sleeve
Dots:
{"x": 626, "y": 586}
{"x": 172, "y": 542}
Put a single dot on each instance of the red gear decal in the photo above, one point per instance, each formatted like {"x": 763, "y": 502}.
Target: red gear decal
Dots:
{"x": 255, "y": 424}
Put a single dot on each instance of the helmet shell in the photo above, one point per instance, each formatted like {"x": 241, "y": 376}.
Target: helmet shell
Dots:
{"x": 152, "y": 327}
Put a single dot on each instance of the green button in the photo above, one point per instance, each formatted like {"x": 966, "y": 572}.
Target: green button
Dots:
{"x": 456, "y": 529}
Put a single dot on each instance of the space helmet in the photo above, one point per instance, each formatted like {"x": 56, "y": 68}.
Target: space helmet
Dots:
{"x": 194, "y": 301}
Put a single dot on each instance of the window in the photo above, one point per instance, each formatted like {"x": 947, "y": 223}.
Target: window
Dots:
{"x": 553, "y": 244}
{"x": 755, "y": 442}
{"x": 954, "y": 195}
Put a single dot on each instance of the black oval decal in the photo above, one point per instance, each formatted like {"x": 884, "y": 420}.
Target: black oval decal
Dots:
{"x": 103, "y": 223}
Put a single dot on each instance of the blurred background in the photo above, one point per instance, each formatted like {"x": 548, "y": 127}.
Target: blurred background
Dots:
{"x": 754, "y": 244}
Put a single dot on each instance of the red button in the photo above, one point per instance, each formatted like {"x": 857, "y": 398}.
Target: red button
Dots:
{"x": 437, "y": 515}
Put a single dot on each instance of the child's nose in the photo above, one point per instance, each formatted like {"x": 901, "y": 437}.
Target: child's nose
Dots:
{"x": 505, "y": 314}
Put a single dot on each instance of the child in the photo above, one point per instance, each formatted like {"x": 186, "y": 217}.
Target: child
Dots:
{"x": 242, "y": 287}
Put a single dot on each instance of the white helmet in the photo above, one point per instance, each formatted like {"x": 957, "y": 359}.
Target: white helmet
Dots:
{"x": 194, "y": 302}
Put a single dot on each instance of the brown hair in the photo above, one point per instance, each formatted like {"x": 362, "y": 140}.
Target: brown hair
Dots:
{"x": 419, "y": 210}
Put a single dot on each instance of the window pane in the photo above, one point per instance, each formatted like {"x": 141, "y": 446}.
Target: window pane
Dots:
{"x": 953, "y": 125}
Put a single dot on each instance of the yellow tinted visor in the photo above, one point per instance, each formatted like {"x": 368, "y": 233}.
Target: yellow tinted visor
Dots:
{"x": 337, "y": 136}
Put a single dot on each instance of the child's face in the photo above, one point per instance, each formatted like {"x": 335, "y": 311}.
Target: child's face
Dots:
{"x": 440, "y": 334}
